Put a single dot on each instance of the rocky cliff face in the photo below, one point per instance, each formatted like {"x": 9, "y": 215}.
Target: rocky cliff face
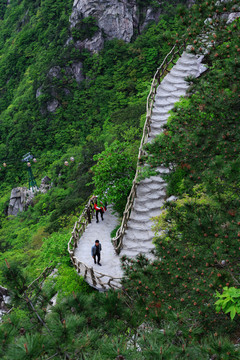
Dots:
{"x": 115, "y": 18}
{"x": 108, "y": 19}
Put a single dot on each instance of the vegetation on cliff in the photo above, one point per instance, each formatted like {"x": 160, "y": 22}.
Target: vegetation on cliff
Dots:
{"x": 166, "y": 308}
{"x": 105, "y": 107}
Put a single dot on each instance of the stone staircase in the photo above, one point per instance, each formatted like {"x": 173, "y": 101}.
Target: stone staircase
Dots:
{"x": 151, "y": 192}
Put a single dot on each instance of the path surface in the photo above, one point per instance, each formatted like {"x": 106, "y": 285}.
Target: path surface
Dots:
{"x": 100, "y": 231}
{"x": 151, "y": 192}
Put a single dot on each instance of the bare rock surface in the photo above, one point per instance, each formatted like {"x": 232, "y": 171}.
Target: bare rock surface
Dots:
{"x": 93, "y": 45}
{"x": 52, "y": 105}
{"x": 21, "y": 197}
{"x": 115, "y": 17}
{"x": 4, "y": 299}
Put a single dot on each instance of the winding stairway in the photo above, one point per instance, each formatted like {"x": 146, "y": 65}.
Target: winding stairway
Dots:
{"x": 151, "y": 192}
{"x": 149, "y": 196}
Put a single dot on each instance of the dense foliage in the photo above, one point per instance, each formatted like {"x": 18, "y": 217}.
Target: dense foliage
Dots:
{"x": 166, "y": 308}
{"x": 92, "y": 116}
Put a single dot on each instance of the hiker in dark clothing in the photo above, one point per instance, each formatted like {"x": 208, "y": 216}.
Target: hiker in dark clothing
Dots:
{"x": 96, "y": 252}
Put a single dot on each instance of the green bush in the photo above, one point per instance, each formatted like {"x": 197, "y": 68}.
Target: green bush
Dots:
{"x": 85, "y": 28}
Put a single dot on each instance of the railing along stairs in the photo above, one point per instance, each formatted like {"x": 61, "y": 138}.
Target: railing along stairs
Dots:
{"x": 160, "y": 73}
{"x": 101, "y": 281}
{"x": 98, "y": 280}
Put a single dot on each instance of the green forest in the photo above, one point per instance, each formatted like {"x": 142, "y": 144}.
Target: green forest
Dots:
{"x": 186, "y": 303}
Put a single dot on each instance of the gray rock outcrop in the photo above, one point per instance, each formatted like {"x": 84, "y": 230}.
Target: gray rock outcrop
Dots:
{"x": 116, "y": 18}
{"x": 54, "y": 72}
{"x": 232, "y": 17}
{"x": 93, "y": 45}
{"x": 52, "y": 105}
{"x": 75, "y": 71}
{"x": 4, "y": 299}
{"x": 19, "y": 200}
{"x": 21, "y": 197}
{"x": 39, "y": 92}
{"x": 151, "y": 15}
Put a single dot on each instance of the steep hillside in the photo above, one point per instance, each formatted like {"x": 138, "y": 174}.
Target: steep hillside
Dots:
{"x": 166, "y": 308}
{"x": 60, "y": 101}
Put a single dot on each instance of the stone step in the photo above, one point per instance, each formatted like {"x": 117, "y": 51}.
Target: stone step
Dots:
{"x": 144, "y": 194}
{"x": 165, "y": 101}
{"x": 155, "y": 178}
{"x": 158, "y": 179}
{"x": 157, "y": 126}
{"x": 167, "y": 86}
{"x": 162, "y": 170}
{"x": 137, "y": 249}
{"x": 148, "y": 206}
{"x": 137, "y": 225}
{"x": 159, "y": 119}
{"x": 139, "y": 217}
{"x": 181, "y": 73}
{"x": 162, "y": 117}
{"x": 144, "y": 204}
{"x": 187, "y": 55}
{"x": 133, "y": 253}
{"x": 160, "y": 112}
{"x": 185, "y": 68}
{"x": 192, "y": 65}
{"x": 134, "y": 241}
{"x": 163, "y": 109}
{"x": 163, "y": 93}
{"x": 136, "y": 244}
{"x": 153, "y": 186}
{"x": 152, "y": 213}
{"x": 156, "y": 122}
{"x": 139, "y": 244}
{"x": 152, "y": 136}
{"x": 141, "y": 235}
{"x": 174, "y": 79}
{"x": 155, "y": 119}
{"x": 157, "y": 188}
{"x": 187, "y": 60}
{"x": 179, "y": 93}
{"x": 182, "y": 86}
{"x": 156, "y": 195}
